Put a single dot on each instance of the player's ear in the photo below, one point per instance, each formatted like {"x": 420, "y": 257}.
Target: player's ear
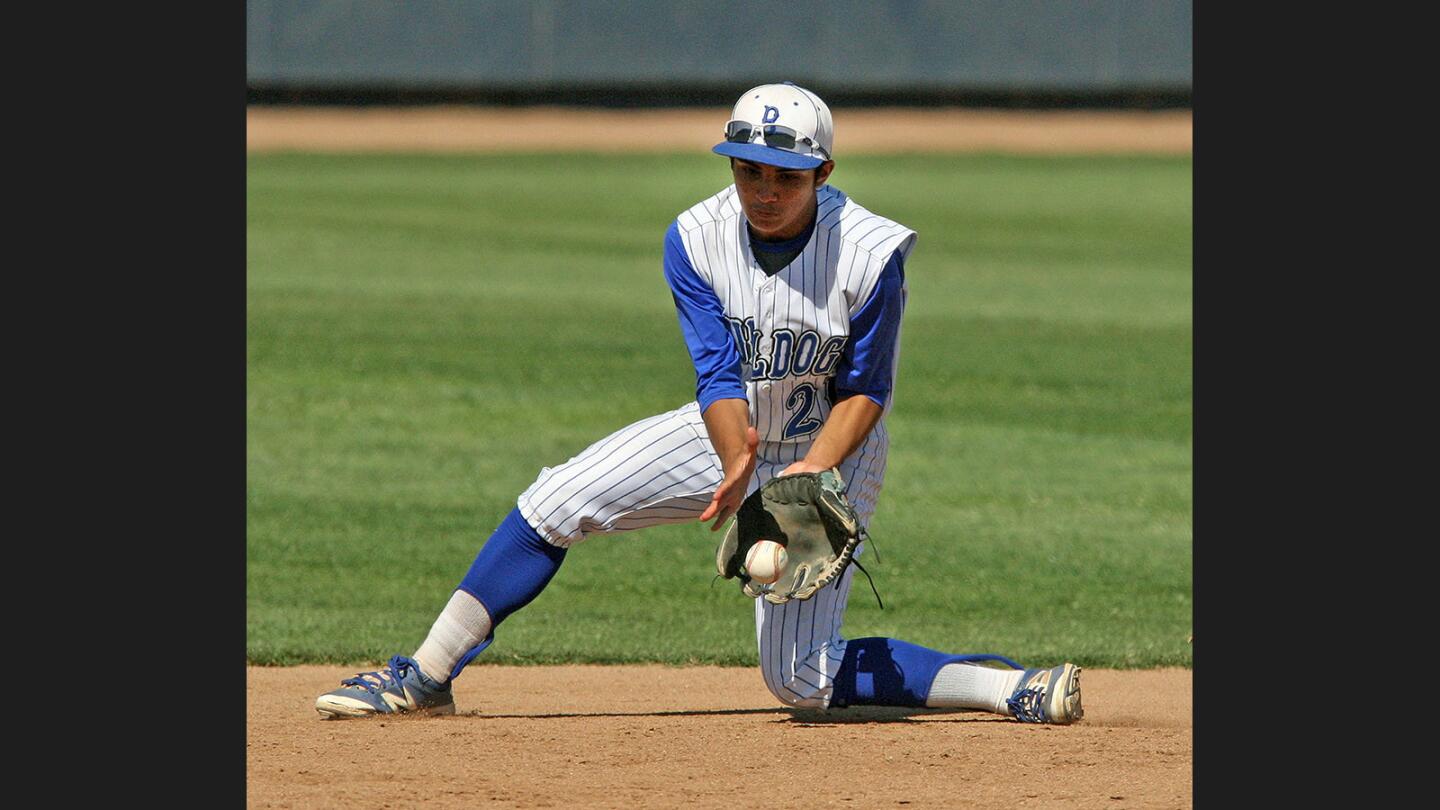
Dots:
{"x": 822, "y": 172}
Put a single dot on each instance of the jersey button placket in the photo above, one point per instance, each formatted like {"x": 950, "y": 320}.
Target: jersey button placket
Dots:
{"x": 767, "y": 317}
{"x": 767, "y": 297}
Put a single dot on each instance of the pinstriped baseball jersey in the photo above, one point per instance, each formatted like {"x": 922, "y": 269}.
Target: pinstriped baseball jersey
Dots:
{"x": 789, "y": 335}
{"x": 791, "y": 329}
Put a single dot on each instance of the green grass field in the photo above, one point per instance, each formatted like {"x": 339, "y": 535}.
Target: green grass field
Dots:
{"x": 425, "y": 333}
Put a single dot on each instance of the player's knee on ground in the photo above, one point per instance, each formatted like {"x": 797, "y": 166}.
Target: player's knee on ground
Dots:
{"x": 800, "y": 685}
{"x": 800, "y": 647}
{"x": 787, "y": 693}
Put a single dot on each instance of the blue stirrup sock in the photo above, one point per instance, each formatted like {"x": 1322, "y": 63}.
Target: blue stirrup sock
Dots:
{"x": 511, "y": 570}
{"x": 890, "y": 672}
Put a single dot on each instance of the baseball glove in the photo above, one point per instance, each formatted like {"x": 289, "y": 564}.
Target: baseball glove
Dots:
{"x": 808, "y": 514}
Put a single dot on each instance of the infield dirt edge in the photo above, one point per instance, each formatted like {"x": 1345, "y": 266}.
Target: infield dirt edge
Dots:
{"x": 456, "y": 129}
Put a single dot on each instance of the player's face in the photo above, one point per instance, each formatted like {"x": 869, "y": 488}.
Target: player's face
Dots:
{"x": 778, "y": 203}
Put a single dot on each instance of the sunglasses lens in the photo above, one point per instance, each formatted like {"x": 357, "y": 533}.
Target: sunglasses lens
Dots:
{"x": 775, "y": 135}
{"x": 780, "y": 137}
{"x": 738, "y": 132}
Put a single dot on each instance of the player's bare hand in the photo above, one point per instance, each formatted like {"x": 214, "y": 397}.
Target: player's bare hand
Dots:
{"x": 731, "y": 492}
{"x": 802, "y": 467}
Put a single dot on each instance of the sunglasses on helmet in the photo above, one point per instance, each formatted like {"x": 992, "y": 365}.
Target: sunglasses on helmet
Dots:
{"x": 774, "y": 135}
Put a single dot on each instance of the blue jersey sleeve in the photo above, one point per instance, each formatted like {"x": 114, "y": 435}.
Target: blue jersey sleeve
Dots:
{"x": 867, "y": 365}
{"x": 702, "y": 322}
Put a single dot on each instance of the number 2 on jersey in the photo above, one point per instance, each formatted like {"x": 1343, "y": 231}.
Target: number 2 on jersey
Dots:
{"x": 801, "y": 400}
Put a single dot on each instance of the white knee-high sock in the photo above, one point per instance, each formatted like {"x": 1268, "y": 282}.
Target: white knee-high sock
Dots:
{"x": 971, "y": 686}
{"x": 463, "y": 624}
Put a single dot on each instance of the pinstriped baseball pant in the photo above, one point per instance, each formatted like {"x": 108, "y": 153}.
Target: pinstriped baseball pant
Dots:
{"x": 664, "y": 470}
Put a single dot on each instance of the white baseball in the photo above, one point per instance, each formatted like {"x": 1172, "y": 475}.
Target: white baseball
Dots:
{"x": 766, "y": 561}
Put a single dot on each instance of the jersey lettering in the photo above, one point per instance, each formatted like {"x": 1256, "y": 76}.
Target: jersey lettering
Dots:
{"x": 782, "y": 345}
{"x": 746, "y": 339}
{"x": 805, "y": 351}
{"x": 789, "y": 356}
{"x": 801, "y": 400}
{"x": 828, "y": 355}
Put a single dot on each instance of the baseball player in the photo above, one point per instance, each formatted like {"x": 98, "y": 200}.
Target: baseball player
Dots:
{"x": 789, "y": 296}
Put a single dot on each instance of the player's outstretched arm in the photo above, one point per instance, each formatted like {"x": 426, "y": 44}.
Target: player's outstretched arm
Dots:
{"x": 736, "y": 442}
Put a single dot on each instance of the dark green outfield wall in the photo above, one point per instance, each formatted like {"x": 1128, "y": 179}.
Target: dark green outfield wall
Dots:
{"x": 856, "y": 46}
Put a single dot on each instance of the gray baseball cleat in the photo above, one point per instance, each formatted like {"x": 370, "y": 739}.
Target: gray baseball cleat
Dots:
{"x": 1048, "y": 696}
{"x": 400, "y": 687}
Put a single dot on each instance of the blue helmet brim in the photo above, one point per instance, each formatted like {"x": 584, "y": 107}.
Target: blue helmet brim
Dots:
{"x": 760, "y": 153}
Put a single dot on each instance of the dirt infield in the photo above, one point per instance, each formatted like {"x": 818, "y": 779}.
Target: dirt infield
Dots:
{"x": 860, "y": 131}
{"x": 651, "y": 736}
